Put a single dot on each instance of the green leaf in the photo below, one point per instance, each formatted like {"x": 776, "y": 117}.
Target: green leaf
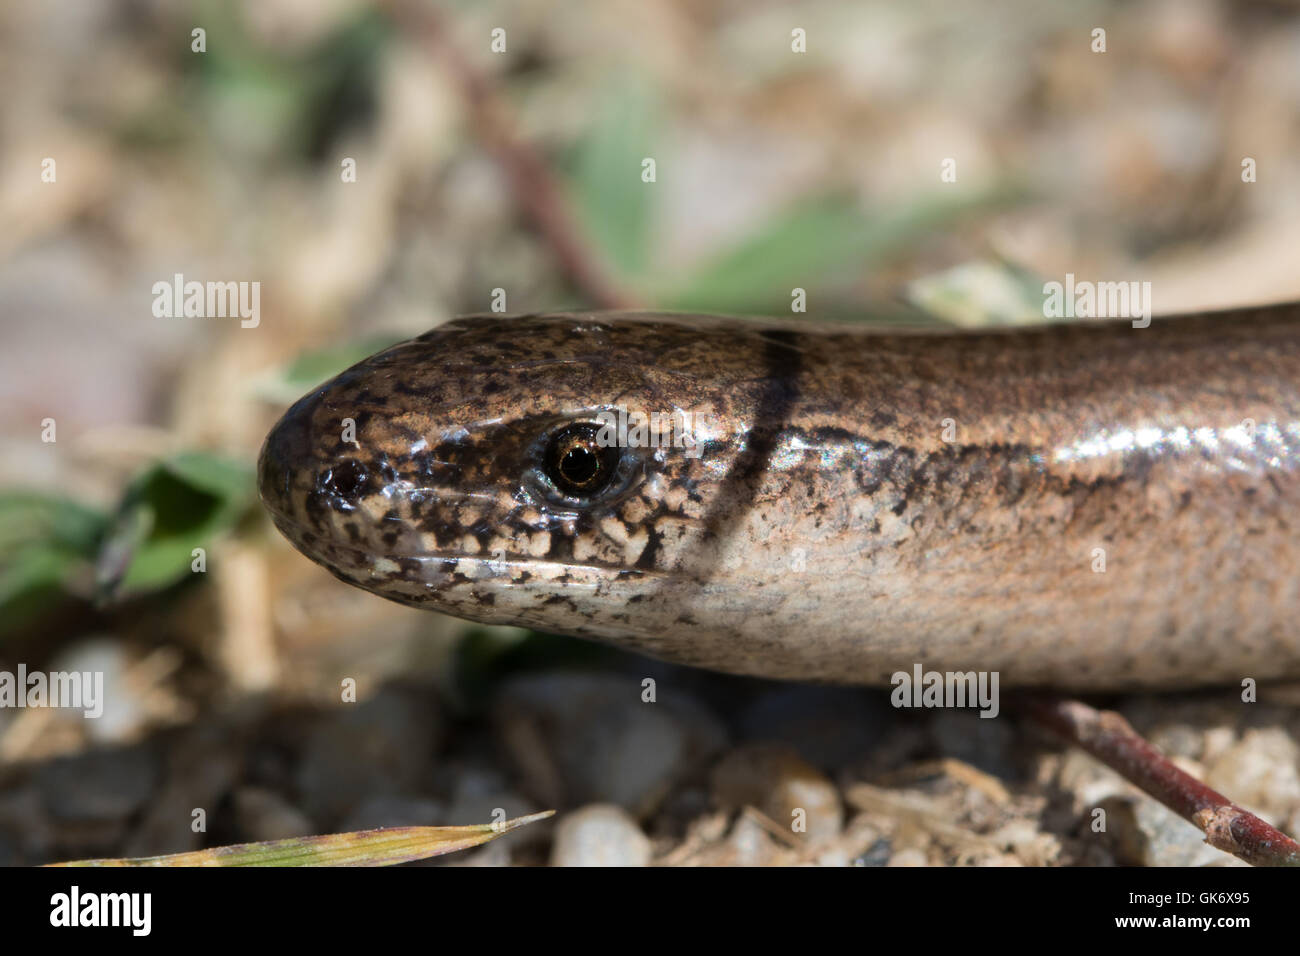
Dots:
{"x": 220, "y": 477}
{"x": 47, "y": 544}
{"x": 286, "y": 100}
{"x": 814, "y": 244}
{"x": 174, "y": 507}
{"x": 612, "y": 202}
{"x": 30, "y": 517}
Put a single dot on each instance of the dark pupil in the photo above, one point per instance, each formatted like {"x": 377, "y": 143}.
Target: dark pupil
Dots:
{"x": 580, "y": 465}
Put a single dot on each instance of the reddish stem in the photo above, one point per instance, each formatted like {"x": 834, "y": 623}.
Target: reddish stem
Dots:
{"x": 535, "y": 188}
{"x": 1110, "y": 738}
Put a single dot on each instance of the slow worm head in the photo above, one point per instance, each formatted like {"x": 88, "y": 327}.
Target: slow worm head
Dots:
{"x": 1086, "y": 506}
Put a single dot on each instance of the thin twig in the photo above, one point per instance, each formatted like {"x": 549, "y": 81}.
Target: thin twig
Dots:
{"x": 536, "y": 189}
{"x": 1110, "y": 738}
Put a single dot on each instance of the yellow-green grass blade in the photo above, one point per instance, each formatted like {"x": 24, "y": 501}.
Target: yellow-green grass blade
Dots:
{"x": 382, "y": 847}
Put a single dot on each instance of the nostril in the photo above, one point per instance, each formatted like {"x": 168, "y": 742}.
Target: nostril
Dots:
{"x": 346, "y": 480}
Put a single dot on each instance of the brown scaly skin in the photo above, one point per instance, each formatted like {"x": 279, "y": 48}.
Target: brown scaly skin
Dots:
{"x": 829, "y": 531}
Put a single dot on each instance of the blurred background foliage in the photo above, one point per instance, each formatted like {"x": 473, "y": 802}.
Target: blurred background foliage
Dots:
{"x": 775, "y": 170}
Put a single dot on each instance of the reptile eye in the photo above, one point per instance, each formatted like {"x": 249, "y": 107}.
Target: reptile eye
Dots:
{"x": 578, "y": 464}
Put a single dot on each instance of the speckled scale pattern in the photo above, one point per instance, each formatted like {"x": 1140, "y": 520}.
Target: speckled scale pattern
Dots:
{"x": 864, "y": 500}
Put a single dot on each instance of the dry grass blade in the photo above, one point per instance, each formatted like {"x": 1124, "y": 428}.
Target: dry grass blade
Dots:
{"x": 360, "y": 848}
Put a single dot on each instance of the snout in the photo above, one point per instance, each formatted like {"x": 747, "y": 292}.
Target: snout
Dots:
{"x": 285, "y": 453}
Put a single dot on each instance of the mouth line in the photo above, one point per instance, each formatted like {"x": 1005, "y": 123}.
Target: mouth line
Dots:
{"x": 523, "y": 562}
{"x": 364, "y": 558}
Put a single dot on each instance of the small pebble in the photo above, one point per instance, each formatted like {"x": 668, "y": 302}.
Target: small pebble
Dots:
{"x": 775, "y": 779}
{"x": 262, "y": 814}
{"x": 203, "y": 765}
{"x": 877, "y": 854}
{"x": 1261, "y": 771}
{"x": 100, "y": 785}
{"x": 909, "y": 857}
{"x": 590, "y": 738}
{"x": 749, "y": 844}
{"x": 383, "y": 745}
{"x": 121, "y": 713}
{"x": 27, "y": 831}
{"x": 1145, "y": 833}
{"x": 599, "y": 834}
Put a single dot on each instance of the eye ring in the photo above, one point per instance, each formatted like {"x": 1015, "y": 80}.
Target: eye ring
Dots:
{"x": 578, "y": 464}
